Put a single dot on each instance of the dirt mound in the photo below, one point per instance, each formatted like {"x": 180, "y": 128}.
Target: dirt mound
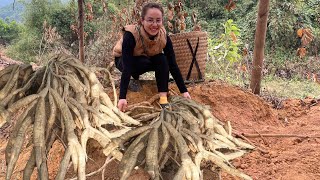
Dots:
{"x": 295, "y": 108}
{"x": 288, "y": 158}
{"x": 229, "y": 103}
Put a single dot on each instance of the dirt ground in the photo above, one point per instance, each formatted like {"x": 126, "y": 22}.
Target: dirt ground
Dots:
{"x": 280, "y": 158}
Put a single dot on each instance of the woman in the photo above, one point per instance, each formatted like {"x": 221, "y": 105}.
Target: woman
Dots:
{"x": 146, "y": 47}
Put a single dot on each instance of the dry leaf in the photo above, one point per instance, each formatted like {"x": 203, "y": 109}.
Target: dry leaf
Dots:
{"x": 245, "y": 52}
{"x": 177, "y": 24}
{"x": 139, "y": 3}
{"x": 243, "y": 68}
{"x": 185, "y": 14}
{"x": 301, "y": 52}
{"x": 170, "y": 26}
{"x": 170, "y": 15}
{"x": 104, "y": 6}
{"x": 183, "y": 26}
{"x": 307, "y": 37}
{"x": 196, "y": 27}
{"x": 89, "y": 7}
{"x": 300, "y": 32}
{"x": 170, "y": 6}
{"x": 74, "y": 28}
{"x": 194, "y": 17}
{"x": 181, "y": 17}
{"x": 233, "y": 37}
{"x": 114, "y": 19}
{"x": 89, "y": 17}
{"x": 308, "y": 76}
{"x": 177, "y": 8}
{"x": 44, "y": 24}
{"x": 230, "y": 6}
{"x": 314, "y": 77}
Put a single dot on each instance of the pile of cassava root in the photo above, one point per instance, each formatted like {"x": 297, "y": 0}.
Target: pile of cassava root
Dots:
{"x": 65, "y": 101}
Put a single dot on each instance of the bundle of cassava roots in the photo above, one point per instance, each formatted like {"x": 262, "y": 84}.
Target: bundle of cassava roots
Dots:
{"x": 64, "y": 101}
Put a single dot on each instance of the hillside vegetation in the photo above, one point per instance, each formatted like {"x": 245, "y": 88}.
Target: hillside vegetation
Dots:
{"x": 231, "y": 30}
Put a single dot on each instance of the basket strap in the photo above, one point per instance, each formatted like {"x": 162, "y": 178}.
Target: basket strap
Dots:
{"x": 194, "y": 60}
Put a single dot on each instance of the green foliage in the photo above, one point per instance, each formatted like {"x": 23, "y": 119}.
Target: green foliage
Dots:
{"x": 25, "y": 47}
{"x": 28, "y": 43}
{"x": 37, "y": 11}
{"x": 112, "y": 9}
{"x": 211, "y": 12}
{"x": 246, "y": 18}
{"x": 226, "y": 47}
{"x": 314, "y": 47}
{"x": 214, "y": 13}
{"x": 9, "y": 30}
{"x": 277, "y": 58}
{"x": 282, "y": 25}
{"x": 283, "y": 19}
{"x": 225, "y": 56}
{"x": 62, "y": 19}
{"x": 281, "y": 43}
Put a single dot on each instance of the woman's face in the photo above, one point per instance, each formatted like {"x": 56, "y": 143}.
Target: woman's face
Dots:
{"x": 152, "y": 21}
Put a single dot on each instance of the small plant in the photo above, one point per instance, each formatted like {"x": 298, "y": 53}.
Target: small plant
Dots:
{"x": 224, "y": 51}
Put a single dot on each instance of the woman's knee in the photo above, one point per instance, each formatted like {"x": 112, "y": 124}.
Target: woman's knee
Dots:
{"x": 160, "y": 60}
{"x": 118, "y": 63}
{"x": 158, "y": 57}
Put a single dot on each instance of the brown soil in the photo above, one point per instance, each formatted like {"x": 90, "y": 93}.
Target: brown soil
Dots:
{"x": 286, "y": 157}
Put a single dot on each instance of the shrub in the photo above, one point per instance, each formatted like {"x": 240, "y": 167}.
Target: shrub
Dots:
{"x": 8, "y": 31}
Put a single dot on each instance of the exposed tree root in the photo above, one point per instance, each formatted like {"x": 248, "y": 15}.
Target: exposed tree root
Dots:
{"x": 188, "y": 130}
{"x": 63, "y": 95}
{"x": 66, "y": 97}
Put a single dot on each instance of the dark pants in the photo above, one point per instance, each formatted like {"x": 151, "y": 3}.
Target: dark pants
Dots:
{"x": 143, "y": 64}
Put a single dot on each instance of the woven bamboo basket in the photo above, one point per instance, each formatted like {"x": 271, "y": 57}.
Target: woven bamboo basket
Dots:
{"x": 184, "y": 56}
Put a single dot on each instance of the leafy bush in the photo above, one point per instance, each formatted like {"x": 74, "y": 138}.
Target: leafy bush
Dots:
{"x": 226, "y": 47}
{"x": 25, "y": 47}
{"x": 8, "y": 31}
{"x": 28, "y": 43}
{"x": 62, "y": 19}
{"x": 225, "y": 59}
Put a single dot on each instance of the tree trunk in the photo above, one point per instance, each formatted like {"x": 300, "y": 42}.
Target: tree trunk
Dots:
{"x": 259, "y": 42}
{"x": 80, "y": 30}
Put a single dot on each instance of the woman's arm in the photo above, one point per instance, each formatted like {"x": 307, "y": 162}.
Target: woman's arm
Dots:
{"x": 127, "y": 60}
{"x": 173, "y": 67}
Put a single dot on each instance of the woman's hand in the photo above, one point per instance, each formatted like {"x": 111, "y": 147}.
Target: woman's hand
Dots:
{"x": 186, "y": 95}
{"x": 122, "y": 104}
